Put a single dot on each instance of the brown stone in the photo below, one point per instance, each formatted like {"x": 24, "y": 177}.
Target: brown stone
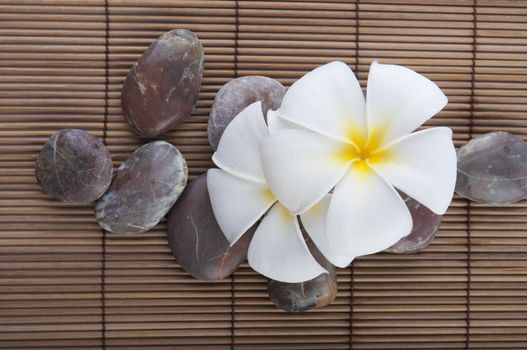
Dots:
{"x": 196, "y": 240}
{"x": 235, "y": 96}
{"x": 425, "y": 225}
{"x": 74, "y": 166}
{"x": 143, "y": 190}
{"x": 300, "y": 297}
{"x": 492, "y": 169}
{"x": 162, "y": 87}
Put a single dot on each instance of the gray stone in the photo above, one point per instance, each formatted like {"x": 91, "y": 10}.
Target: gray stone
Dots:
{"x": 162, "y": 87}
{"x": 196, "y": 240}
{"x": 74, "y": 166}
{"x": 235, "y": 96}
{"x": 299, "y": 297}
{"x": 425, "y": 225}
{"x": 492, "y": 169}
{"x": 143, "y": 190}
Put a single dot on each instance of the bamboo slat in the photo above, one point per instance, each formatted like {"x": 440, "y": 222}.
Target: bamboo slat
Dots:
{"x": 65, "y": 284}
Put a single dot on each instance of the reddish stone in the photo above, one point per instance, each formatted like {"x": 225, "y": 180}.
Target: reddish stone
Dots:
{"x": 162, "y": 87}
{"x": 492, "y": 169}
{"x": 143, "y": 190}
{"x": 74, "y": 166}
{"x": 196, "y": 240}
{"x": 425, "y": 225}
{"x": 237, "y": 94}
{"x": 300, "y": 297}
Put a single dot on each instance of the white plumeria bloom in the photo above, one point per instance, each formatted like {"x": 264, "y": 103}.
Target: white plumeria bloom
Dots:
{"x": 240, "y": 196}
{"x": 333, "y": 139}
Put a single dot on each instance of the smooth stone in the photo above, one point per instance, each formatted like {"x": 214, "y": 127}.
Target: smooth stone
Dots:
{"x": 162, "y": 87}
{"x": 299, "y": 297}
{"x": 143, "y": 190}
{"x": 74, "y": 166}
{"x": 196, "y": 240}
{"x": 237, "y": 94}
{"x": 492, "y": 169}
{"x": 425, "y": 225}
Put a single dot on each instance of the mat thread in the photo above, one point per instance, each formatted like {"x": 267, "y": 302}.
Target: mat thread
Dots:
{"x": 470, "y": 132}
{"x": 236, "y": 34}
{"x": 104, "y": 134}
{"x": 357, "y": 74}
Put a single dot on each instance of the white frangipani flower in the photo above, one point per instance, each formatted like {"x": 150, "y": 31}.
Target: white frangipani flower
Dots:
{"x": 330, "y": 138}
{"x": 240, "y": 196}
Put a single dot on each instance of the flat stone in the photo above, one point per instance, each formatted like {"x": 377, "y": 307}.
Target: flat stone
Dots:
{"x": 492, "y": 169}
{"x": 196, "y": 240}
{"x": 299, "y": 297}
{"x": 143, "y": 190}
{"x": 74, "y": 166}
{"x": 237, "y": 94}
{"x": 162, "y": 87}
{"x": 425, "y": 225}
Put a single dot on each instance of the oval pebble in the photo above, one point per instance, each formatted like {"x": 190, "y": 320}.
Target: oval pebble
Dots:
{"x": 237, "y": 94}
{"x": 162, "y": 87}
{"x": 74, "y": 166}
{"x": 196, "y": 240}
{"x": 492, "y": 169}
{"x": 143, "y": 190}
{"x": 300, "y": 297}
{"x": 425, "y": 225}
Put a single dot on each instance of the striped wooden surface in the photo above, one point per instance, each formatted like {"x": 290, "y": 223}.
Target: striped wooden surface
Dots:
{"x": 65, "y": 284}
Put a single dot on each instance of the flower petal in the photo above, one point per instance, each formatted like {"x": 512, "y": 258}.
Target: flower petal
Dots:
{"x": 237, "y": 203}
{"x": 275, "y": 122}
{"x": 328, "y": 100}
{"x": 239, "y": 149}
{"x": 301, "y": 166}
{"x": 314, "y": 221}
{"x": 366, "y": 215}
{"x": 399, "y": 100}
{"x": 278, "y": 250}
{"x": 422, "y": 165}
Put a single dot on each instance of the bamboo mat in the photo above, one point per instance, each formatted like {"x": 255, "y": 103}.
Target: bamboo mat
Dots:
{"x": 65, "y": 284}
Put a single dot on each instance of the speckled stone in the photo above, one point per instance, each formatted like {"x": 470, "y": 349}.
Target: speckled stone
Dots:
{"x": 143, "y": 190}
{"x": 237, "y": 94}
{"x": 74, "y": 166}
{"x": 492, "y": 169}
{"x": 162, "y": 87}
{"x": 196, "y": 240}
{"x": 425, "y": 225}
{"x": 299, "y": 297}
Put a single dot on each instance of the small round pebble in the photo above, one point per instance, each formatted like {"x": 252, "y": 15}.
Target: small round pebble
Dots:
{"x": 237, "y": 94}
{"x": 492, "y": 169}
{"x": 425, "y": 225}
{"x": 162, "y": 87}
{"x": 74, "y": 166}
{"x": 196, "y": 240}
{"x": 143, "y": 190}
{"x": 300, "y": 297}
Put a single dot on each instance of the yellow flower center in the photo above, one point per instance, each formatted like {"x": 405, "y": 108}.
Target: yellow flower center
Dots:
{"x": 364, "y": 151}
